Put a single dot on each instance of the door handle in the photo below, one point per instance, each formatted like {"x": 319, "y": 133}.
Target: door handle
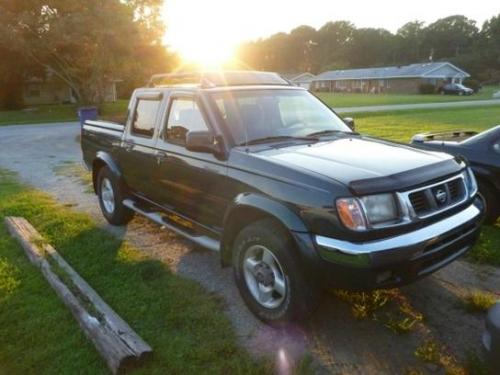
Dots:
{"x": 129, "y": 147}
{"x": 161, "y": 155}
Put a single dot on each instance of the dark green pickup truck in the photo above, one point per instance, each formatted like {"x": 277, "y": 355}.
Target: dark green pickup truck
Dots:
{"x": 261, "y": 171}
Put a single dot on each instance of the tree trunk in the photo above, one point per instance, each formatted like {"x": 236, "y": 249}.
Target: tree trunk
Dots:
{"x": 113, "y": 338}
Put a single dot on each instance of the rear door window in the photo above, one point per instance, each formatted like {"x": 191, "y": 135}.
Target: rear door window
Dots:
{"x": 144, "y": 120}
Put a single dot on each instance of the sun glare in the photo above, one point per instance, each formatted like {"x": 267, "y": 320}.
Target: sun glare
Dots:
{"x": 208, "y": 52}
{"x": 199, "y": 33}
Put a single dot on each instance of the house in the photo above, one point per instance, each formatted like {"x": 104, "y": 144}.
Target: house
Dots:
{"x": 52, "y": 90}
{"x": 300, "y": 79}
{"x": 395, "y": 79}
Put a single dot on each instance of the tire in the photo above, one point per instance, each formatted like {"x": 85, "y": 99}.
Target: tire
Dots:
{"x": 491, "y": 202}
{"x": 111, "y": 193}
{"x": 460, "y": 93}
{"x": 264, "y": 259}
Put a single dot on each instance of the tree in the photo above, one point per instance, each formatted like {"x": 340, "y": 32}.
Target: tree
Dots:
{"x": 334, "y": 39}
{"x": 490, "y": 49}
{"x": 84, "y": 44}
{"x": 371, "y": 47}
{"x": 409, "y": 39}
{"x": 450, "y": 36}
{"x": 340, "y": 45}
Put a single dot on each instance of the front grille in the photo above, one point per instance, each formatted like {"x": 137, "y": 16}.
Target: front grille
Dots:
{"x": 419, "y": 202}
{"x": 437, "y": 197}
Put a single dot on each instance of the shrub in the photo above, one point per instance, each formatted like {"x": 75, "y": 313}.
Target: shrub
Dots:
{"x": 426, "y": 88}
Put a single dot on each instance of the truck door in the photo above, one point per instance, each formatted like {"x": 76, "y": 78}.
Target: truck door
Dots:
{"x": 137, "y": 154}
{"x": 191, "y": 183}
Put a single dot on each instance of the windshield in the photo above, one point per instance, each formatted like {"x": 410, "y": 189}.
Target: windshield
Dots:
{"x": 270, "y": 114}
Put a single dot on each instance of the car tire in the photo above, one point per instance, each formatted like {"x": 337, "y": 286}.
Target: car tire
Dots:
{"x": 270, "y": 277}
{"x": 490, "y": 200}
{"x": 111, "y": 192}
{"x": 460, "y": 93}
{"x": 442, "y": 92}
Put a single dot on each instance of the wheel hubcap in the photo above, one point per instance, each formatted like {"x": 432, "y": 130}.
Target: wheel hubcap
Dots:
{"x": 264, "y": 276}
{"x": 107, "y": 195}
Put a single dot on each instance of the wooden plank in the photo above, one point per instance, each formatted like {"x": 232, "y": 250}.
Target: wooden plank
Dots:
{"x": 113, "y": 338}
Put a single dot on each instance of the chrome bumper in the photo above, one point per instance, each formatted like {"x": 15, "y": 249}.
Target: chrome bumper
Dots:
{"x": 419, "y": 236}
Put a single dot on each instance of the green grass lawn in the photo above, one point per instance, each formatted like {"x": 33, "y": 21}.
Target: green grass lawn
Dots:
{"x": 402, "y": 125}
{"x": 59, "y": 113}
{"x": 184, "y": 324}
{"x": 339, "y": 100}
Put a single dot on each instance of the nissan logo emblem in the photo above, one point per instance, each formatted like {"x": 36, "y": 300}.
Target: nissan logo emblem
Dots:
{"x": 441, "y": 196}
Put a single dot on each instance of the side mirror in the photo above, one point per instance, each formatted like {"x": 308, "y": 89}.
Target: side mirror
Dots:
{"x": 349, "y": 121}
{"x": 201, "y": 141}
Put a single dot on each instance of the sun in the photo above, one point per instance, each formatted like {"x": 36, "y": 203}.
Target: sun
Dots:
{"x": 206, "y": 52}
{"x": 203, "y": 38}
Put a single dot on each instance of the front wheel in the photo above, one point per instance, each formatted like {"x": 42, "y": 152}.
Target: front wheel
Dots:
{"x": 111, "y": 193}
{"x": 269, "y": 275}
{"x": 490, "y": 200}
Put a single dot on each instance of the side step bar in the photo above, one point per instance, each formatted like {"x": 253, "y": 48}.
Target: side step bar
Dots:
{"x": 203, "y": 241}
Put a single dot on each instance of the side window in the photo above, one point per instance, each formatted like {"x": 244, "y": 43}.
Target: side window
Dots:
{"x": 143, "y": 123}
{"x": 184, "y": 116}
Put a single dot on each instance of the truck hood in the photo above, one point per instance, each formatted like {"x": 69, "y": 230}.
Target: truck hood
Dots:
{"x": 351, "y": 160}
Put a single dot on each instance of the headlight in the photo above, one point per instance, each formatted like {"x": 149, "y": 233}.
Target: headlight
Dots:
{"x": 361, "y": 213}
{"x": 471, "y": 182}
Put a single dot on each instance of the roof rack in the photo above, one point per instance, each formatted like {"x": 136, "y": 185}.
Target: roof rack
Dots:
{"x": 217, "y": 79}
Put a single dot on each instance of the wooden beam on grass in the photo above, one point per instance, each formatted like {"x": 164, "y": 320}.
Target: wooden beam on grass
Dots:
{"x": 113, "y": 338}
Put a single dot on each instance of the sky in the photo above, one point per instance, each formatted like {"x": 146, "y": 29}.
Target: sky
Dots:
{"x": 197, "y": 28}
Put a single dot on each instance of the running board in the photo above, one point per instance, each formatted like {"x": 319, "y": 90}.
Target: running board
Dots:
{"x": 203, "y": 241}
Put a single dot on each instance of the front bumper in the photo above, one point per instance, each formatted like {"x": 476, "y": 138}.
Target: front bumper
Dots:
{"x": 401, "y": 259}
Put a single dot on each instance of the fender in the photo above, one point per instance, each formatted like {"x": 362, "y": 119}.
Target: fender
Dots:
{"x": 107, "y": 159}
{"x": 485, "y": 174}
{"x": 269, "y": 206}
{"x": 266, "y": 205}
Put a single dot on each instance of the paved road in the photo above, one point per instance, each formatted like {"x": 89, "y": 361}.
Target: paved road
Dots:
{"x": 339, "y": 343}
{"x": 402, "y": 107}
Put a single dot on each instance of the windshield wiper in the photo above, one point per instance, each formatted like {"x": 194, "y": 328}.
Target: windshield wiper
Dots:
{"x": 327, "y": 132}
{"x": 273, "y": 139}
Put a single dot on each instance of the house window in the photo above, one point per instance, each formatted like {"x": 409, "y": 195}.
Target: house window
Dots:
{"x": 33, "y": 91}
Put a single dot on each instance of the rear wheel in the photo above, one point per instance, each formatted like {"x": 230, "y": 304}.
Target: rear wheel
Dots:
{"x": 491, "y": 202}
{"x": 269, "y": 275}
{"x": 111, "y": 192}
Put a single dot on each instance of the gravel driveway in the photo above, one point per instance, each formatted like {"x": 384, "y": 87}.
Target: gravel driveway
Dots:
{"x": 338, "y": 342}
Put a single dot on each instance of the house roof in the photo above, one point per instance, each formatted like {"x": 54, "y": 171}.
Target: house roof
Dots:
{"x": 295, "y": 77}
{"x": 421, "y": 70}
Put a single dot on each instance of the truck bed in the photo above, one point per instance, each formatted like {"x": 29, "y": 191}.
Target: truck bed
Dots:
{"x": 99, "y": 136}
